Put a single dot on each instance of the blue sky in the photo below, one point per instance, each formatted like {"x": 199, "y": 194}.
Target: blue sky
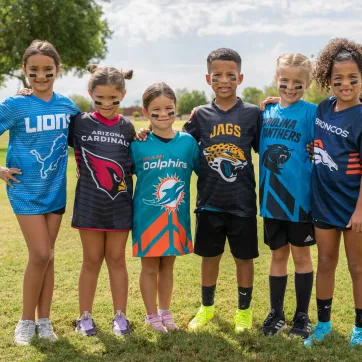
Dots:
{"x": 167, "y": 40}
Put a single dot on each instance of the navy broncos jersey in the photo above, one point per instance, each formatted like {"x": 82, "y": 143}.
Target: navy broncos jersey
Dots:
{"x": 103, "y": 197}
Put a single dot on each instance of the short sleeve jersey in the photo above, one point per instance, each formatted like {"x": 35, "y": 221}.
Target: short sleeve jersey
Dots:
{"x": 285, "y": 168}
{"x": 161, "y": 222}
{"x": 226, "y": 180}
{"x": 337, "y": 163}
{"x": 38, "y": 145}
{"x": 103, "y": 196}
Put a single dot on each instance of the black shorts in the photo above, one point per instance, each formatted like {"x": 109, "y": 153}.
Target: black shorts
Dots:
{"x": 325, "y": 226}
{"x": 59, "y": 211}
{"x": 212, "y": 229}
{"x": 278, "y": 233}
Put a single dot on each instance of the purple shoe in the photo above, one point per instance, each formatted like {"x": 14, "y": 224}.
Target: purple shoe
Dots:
{"x": 121, "y": 325}
{"x": 86, "y": 325}
{"x": 155, "y": 321}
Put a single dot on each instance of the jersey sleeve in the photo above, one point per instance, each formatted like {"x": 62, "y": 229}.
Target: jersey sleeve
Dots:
{"x": 196, "y": 158}
{"x": 256, "y": 141}
{"x": 191, "y": 127}
{"x": 133, "y": 156}
{"x": 71, "y": 134}
{"x": 8, "y": 118}
{"x": 312, "y": 119}
{"x": 357, "y": 133}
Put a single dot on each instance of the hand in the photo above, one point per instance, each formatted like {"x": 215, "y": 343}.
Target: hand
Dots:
{"x": 310, "y": 150}
{"x": 7, "y": 174}
{"x": 25, "y": 92}
{"x": 269, "y": 100}
{"x": 77, "y": 173}
{"x": 356, "y": 220}
{"x": 193, "y": 111}
{"x": 141, "y": 135}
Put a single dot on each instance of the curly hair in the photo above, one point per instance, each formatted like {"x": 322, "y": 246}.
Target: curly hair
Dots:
{"x": 337, "y": 50}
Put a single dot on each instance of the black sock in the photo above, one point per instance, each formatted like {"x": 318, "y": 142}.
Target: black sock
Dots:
{"x": 324, "y": 309}
{"x": 277, "y": 287}
{"x": 358, "y": 318}
{"x": 208, "y": 294}
{"x": 245, "y": 295}
{"x": 303, "y": 291}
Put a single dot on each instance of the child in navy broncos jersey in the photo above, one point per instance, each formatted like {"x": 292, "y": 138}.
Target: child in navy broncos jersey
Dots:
{"x": 38, "y": 126}
{"x": 227, "y": 130}
{"x": 336, "y": 179}
{"x": 285, "y": 172}
{"x": 103, "y": 198}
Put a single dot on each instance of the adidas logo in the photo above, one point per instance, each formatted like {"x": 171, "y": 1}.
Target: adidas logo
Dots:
{"x": 308, "y": 239}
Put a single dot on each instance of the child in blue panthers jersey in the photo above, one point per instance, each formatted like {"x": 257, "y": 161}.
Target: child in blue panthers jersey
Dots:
{"x": 336, "y": 179}
{"x": 37, "y": 154}
{"x": 285, "y": 171}
{"x": 161, "y": 217}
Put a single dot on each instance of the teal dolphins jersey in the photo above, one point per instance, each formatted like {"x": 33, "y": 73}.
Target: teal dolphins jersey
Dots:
{"x": 38, "y": 132}
{"x": 161, "y": 203}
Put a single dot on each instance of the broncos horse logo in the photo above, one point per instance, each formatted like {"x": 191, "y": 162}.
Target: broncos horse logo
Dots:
{"x": 322, "y": 156}
{"x": 226, "y": 159}
{"x": 50, "y": 163}
{"x": 275, "y": 157}
{"x": 107, "y": 174}
{"x": 169, "y": 193}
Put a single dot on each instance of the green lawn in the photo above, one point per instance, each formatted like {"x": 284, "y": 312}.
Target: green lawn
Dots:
{"x": 217, "y": 342}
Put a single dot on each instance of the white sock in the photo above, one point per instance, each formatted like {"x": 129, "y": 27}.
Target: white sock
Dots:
{"x": 161, "y": 311}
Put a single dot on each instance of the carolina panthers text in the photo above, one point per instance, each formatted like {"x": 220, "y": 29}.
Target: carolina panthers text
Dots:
{"x": 280, "y": 128}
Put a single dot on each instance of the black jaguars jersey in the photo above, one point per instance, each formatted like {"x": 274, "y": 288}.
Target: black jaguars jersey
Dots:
{"x": 103, "y": 197}
{"x": 226, "y": 180}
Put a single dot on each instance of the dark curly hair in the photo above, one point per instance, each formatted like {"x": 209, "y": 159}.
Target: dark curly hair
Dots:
{"x": 337, "y": 50}
{"x": 223, "y": 54}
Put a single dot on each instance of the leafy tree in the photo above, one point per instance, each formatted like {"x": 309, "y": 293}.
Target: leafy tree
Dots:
{"x": 252, "y": 95}
{"x": 315, "y": 95}
{"x": 83, "y": 103}
{"x": 189, "y": 100}
{"x": 74, "y": 27}
{"x": 270, "y": 91}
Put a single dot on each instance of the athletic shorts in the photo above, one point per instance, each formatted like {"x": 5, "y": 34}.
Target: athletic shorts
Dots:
{"x": 325, "y": 226}
{"x": 212, "y": 229}
{"x": 278, "y": 233}
{"x": 59, "y": 211}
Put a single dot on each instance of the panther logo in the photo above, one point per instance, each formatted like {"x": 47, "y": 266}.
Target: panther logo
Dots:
{"x": 275, "y": 157}
{"x": 226, "y": 159}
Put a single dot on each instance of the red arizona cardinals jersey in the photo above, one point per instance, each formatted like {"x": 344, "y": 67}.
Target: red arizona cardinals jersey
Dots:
{"x": 103, "y": 197}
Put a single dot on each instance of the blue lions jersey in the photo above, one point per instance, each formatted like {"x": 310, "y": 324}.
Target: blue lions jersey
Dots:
{"x": 337, "y": 163}
{"x": 38, "y": 146}
{"x": 285, "y": 167}
{"x": 161, "y": 203}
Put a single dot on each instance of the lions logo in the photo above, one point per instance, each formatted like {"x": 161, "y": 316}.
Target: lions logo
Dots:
{"x": 226, "y": 159}
{"x": 275, "y": 157}
{"x": 107, "y": 174}
{"x": 322, "y": 156}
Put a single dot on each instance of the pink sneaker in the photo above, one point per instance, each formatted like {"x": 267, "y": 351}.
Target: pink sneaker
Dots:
{"x": 155, "y": 322}
{"x": 168, "y": 322}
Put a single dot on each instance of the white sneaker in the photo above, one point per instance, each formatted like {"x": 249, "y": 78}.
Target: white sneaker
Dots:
{"x": 24, "y": 332}
{"x": 44, "y": 329}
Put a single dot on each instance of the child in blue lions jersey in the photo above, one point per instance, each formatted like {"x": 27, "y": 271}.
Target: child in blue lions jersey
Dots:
{"x": 161, "y": 221}
{"x": 285, "y": 191}
{"x": 38, "y": 126}
{"x": 336, "y": 179}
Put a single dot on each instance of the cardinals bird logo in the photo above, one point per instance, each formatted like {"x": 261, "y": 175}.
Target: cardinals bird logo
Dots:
{"x": 107, "y": 174}
{"x": 169, "y": 193}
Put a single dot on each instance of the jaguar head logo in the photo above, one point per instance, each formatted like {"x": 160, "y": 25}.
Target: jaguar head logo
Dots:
{"x": 275, "y": 157}
{"x": 226, "y": 159}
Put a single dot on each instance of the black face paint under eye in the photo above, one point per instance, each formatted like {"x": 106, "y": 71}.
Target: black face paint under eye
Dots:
{"x": 115, "y": 103}
{"x": 154, "y": 115}
{"x": 232, "y": 79}
{"x": 171, "y": 113}
{"x": 297, "y": 87}
{"x": 50, "y": 75}
{"x": 32, "y": 75}
{"x": 355, "y": 81}
{"x": 337, "y": 84}
{"x": 352, "y": 82}
{"x": 214, "y": 80}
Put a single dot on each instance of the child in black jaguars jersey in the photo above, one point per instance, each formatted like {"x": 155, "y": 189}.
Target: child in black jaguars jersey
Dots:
{"x": 103, "y": 199}
{"x": 227, "y": 130}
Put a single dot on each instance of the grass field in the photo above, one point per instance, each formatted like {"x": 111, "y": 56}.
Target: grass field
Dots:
{"x": 217, "y": 342}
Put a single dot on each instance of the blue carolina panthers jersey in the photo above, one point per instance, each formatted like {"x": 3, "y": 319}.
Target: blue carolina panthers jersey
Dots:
{"x": 337, "y": 163}
{"x": 161, "y": 203}
{"x": 285, "y": 167}
{"x": 38, "y": 146}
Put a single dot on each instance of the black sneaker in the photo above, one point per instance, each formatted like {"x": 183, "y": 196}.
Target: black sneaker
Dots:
{"x": 301, "y": 326}
{"x": 274, "y": 324}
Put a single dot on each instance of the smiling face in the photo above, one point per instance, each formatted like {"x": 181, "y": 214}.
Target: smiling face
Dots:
{"x": 41, "y": 72}
{"x": 224, "y": 78}
{"x": 109, "y": 97}
{"x": 344, "y": 73}
{"x": 288, "y": 79}
{"x": 159, "y": 113}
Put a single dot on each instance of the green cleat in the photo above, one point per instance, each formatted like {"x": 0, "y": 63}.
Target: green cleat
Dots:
{"x": 243, "y": 320}
{"x": 203, "y": 316}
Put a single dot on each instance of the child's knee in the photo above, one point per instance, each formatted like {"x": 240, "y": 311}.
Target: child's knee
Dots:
{"x": 327, "y": 263}
{"x": 355, "y": 269}
{"x": 280, "y": 256}
{"x": 93, "y": 262}
{"x": 40, "y": 257}
{"x": 115, "y": 260}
